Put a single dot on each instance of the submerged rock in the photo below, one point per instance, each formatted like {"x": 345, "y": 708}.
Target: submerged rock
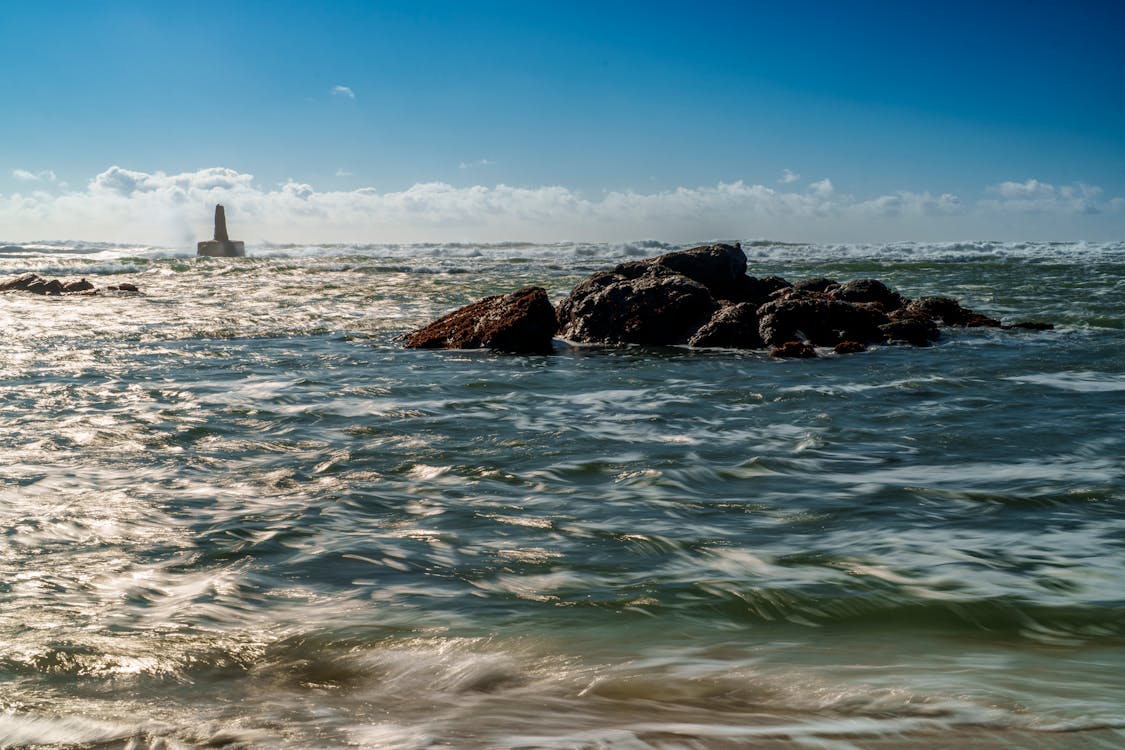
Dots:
{"x": 20, "y": 283}
{"x": 793, "y": 350}
{"x": 36, "y": 284}
{"x": 77, "y": 287}
{"x": 849, "y": 347}
{"x": 523, "y": 321}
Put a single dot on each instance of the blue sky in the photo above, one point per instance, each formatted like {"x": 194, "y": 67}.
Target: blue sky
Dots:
{"x": 856, "y": 121}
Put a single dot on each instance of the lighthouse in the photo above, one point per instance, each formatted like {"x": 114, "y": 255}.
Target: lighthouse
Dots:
{"x": 221, "y": 246}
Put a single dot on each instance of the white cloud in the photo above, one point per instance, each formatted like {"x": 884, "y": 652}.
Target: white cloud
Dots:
{"x": 1035, "y": 197}
{"x": 477, "y": 163}
{"x": 123, "y": 205}
{"x": 45, "y": 175}
{"x": 822, "y": 188}
{"x": 788, "y": 177}
{"x": 343, "y": 91}
{"x": 341, "y": 172}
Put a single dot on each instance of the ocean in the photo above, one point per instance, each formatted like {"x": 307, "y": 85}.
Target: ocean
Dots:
{"x": 236, "y": 513}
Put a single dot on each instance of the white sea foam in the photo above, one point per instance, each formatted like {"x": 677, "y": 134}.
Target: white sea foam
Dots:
{"x": 39, "y": 256}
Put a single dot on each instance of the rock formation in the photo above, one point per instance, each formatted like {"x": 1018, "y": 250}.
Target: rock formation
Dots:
{"x": 523, "y": 321}
{"x": 703, "y": 297}
{"x": 222, "y": 246}
{"x": 36, "y": 284}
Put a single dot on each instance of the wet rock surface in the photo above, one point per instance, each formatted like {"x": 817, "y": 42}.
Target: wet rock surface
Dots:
{"x": 521, "y": 322}
{"x": 36, "y": 284}
{"x": 703, "y": 297}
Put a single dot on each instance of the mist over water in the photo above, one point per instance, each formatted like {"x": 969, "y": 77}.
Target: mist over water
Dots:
{"x": 236, "y": 513}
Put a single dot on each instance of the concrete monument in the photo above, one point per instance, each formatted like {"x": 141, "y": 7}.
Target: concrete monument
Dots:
{"x": 221, "y": 246}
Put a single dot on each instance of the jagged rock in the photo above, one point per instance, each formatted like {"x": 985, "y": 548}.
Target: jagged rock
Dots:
{"x": 819, "y": 319}
{"x": 20, "y": 283}
{"x": 75, "y": 287}
{"x": 950, "y": 312}
{"x": 124, "y": 286}
{"x": 914, "y": 329}
{"x": 719, "y": 267}
{"x": 733, "y": 327}
{"x": 53, "y": 287}
{"x": 793, "y": 350}
{"x": 657, "y": 308}
{"x": 849, "y": 347}
{"x": 815, "y": 285}
{"x": 523, "y": 322}
{"x": 759, "y": 291}
{"x": 869, "y": 290}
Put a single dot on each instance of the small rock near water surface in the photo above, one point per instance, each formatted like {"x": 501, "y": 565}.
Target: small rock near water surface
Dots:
{"x": 522, "y": 321}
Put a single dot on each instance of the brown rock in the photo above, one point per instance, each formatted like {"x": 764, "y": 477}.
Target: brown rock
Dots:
{"x": 870, "y": 291}
{"x": 522, "y": 322}
{"x": 53, "y": 287}
{"x": 74, "y": 287}
{"x": 660, "y": 307}
{"x": 950, "y": 312}
{"x": 849, "y": 347}
{"x": 817, "y": 318}
{"x": 733, "y": 327}
{"x": 815, "y": 285}
{"x": 719, "y": 267}
{"x": 793, "y": 350}
{"x": 20, "y": 283}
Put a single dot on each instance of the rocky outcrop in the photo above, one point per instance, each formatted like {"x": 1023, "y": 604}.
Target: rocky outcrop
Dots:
{"x": 35, "y": 284}
{"x": 793, "y": 350}
{"x": 522, "y": 322}
{"x": 703, "y": 297}
{"x": 652, "y": 308}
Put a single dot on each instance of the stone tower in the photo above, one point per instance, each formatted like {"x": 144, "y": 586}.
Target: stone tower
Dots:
{"x": 221, "y": 246}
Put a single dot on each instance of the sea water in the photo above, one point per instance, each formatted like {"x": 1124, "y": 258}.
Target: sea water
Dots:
{"x": 236, "y": 513}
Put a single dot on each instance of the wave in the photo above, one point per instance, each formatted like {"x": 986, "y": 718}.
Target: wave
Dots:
{"x": 755, "y": 249}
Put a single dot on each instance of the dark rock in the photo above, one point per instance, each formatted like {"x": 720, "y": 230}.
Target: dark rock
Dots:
{"x": 719, "y": 267}
{"x": 523, "y": 322}
{"x": 910, "y": 327}
{"x": 976, "y": 320}
{"x": 819, "y": 319}
{"x": 793, "y": 350}
{"x": 733, "y": 327}
{"x": 758, "y": 291}
{"x": 1029, "y": 325}
{"x": 849, "y": 347}
{"x": 656, "y": 308}
{"x": 868, "y": 290}
{"x": 950, "y": 312}
{"x": 815, "y": 285}
{"x": 124, "y": 286}
{"x": 20, "y": 283}
{"x": 73, "y": 287}
{"x": 53, "y": 287}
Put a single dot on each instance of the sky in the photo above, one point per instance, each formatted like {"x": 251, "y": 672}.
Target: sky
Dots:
{"x": 434, "y": 120}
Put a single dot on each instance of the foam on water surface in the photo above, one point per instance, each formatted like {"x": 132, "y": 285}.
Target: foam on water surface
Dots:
{"x": 235, "y": 511}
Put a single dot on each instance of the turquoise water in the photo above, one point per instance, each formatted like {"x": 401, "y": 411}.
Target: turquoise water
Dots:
{"x": 236, "y": 513}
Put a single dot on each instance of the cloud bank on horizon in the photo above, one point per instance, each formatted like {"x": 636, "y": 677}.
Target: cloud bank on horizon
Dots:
{"x": 123, "y": 205}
